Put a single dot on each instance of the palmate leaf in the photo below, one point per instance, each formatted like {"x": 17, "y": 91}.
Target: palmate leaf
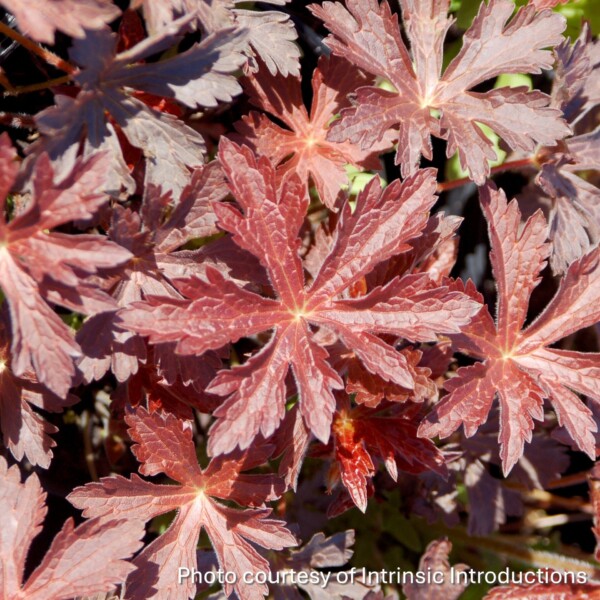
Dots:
{"x": 361, "y": 434}
{"x": 37, "y": 265}
{"x": 87, "y": 559}
{"x": 154, "y": 236}
{"x": 271, "y": 34}
{"x": 40, "y": 19}
{"x": 164, "y": 445}
{"x": 572, "y": 201}
{"x": 199, "y": 77}
{"x": 366, "y": 33}
{"x": 218, "y": 311}
{"x": 519, "y": 366}
{"x": 491, "y": 500}
{"x": 301, "y": 146}
{"x": 316, "y": 557}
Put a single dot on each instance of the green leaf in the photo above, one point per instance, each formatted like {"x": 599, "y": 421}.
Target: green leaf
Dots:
{"x": 514, "y": 80}
{"x": 466, "y": 13}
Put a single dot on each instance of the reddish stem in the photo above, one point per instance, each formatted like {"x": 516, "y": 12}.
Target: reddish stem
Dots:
{"x": 36, "y": 87}
{"x": 507, "y": 166}
{"x": 49, "y": 57}
{"x": 18, "y": 120}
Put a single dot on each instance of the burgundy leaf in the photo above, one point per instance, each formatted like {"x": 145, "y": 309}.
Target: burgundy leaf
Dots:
{"x": 34, "y": 261}
{"x": 366, "y": 33}
{"x": 164, "y": 445}
{"x": 518, "y": 365}
{"x": 218, "y": 311}
{"x": 87, "y": 559}
{"x": 360, "y": 434}
{"x": 304, "y": 138}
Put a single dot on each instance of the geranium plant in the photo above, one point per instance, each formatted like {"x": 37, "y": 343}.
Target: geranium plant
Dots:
{"x": 299, "y": 300}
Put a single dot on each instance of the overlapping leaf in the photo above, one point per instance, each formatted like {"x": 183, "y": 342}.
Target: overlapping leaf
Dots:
{"x": 361, "y": 434}
{"x": 40, "y": 19}
{"x": 217, "y": 311}
{"x": 154, "y": 236}
{"x": 435, "y": 559}
{"x": 87, "y": 559}
{"x": 37, "y": 266}
{"x": 318, "y": 555}
{"x": 25, "y": 432}
{"x": 164, "y": 445}
{"x": 572, "y": 201}
{"x": 519, "y": 366}
{"x": 301, "y": 146}
{"x": 271, "y": 34}
{"x": 366, "y": 33}
{"x": 200, "y": 76}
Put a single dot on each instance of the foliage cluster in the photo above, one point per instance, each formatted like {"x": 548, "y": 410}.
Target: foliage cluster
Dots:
{"x": 247, "y": 296}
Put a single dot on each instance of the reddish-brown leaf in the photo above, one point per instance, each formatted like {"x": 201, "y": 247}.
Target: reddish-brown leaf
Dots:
{"x": 519, "y": 365}
{"x": 37, "y": 265}
{"x": 218, "y": 311}
{"x": 366, "y": 33}
{"x": 361, "y": 434}
{"x": 164, "y": 445}
{"x": 302, "y": 146}
{"x": 87, "y": 559}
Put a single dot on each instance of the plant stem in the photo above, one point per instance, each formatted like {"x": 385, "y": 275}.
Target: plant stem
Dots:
{"x": 445, "y": 186}
{"x": 4, "y": 81}
{"x": 49, "y": 57}
{"x": 516, "y": 548}
{"x": 569, "y": 480}
{"x": 36, "y": 87}
{"x": 17, "y": 120}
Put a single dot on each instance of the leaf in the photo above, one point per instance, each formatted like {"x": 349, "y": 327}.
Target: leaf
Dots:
{"x": 217, "y": 311}
{"x": 150, "y": 387}
{"x": 315, "y": 557}
{"x": 197, "y": 77}
{"x": 361, "y": 434}
{"x": 153, "y": 235}
{"x": 519, "y": 365}
{"x": 366, "y": 33}
{"x": 87, "y": 559}
{"x": 435, "y": 559}
{"x": 541, "y": 4}
{"x": 25, "y": 432}
{"x": 370, "y": 390}
{"x": 200, "y": 76}
{"x": 271, "y": 34}
{"x": 164, "y": 445}
{"x": 34, "y": 262}
{"x": 540, "y": 591}
{"x": 492, "y": 501}
{"x": 571, "y": 200}
{"x": 40, "y": 19}
{"x": 301, "y": 146}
